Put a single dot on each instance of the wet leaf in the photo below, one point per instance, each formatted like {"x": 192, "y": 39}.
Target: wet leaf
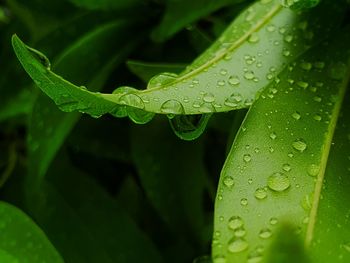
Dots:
{"x": 275, "y": 173}
{"x": 21, "y": 240}
{"x": 48, "y": 126}
{"x": 263, "y": 39}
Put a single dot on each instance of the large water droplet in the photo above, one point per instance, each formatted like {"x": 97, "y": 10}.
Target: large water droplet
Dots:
{"x": 236, "y": 245}
{"x": 161, "y": 80}
{"x": 299, "y": 145}
{"x": 132, "y": 100}
{"x": 172, "y": 107}
{"x": 235, "y": 222}
{"x": 278, "y": 182}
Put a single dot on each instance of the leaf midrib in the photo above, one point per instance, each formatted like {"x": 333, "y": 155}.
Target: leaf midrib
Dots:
{"x": 323, "y": 164}
{"x": 274, "y": 10}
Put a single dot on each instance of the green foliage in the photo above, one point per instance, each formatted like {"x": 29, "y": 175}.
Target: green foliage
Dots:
{"x": 254, "y": 89}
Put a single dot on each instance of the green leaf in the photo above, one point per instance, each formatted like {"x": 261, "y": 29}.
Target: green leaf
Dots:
{"x": 84, "y": 222}
{"x": 107, "y": 4}
{"x": 180, "y": 13}
{"x": 21, "y": 240}
{"x": 189, "y": 127}
{"x": 174, "y": 185}
{"x": 300, "y": 4}
{"x": 263, "y": 39}
{"x": 146, "y": 70}
{"x": 275, "y": 169}
{"x": 333, "y": 216}
{"x": 287, "y": 247}
{"x": 48, "y": 126}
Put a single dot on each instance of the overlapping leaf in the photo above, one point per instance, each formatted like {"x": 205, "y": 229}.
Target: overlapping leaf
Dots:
{"x": 331, "y": 242}
{"x": 276, "y": 166}
{"x": 85, "y": 223}
{"x": 21, "y": 240}
{"x": 49, "y": 126}
{"x": 255, "y": 47}
{"x": 180, "y": 13}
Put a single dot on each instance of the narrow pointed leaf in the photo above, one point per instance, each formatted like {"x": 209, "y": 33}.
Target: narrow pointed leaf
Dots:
{"x": 275, "y": 174}
{"x": 84, "y": 221}
{"x": 249, "y": 54}
{"x": 48, "y": 126}
{"x": 21, "y": 240}
{"x": 180, "y": 13}
{"x": 331, "y": 242}
{"x": 146, "y": 70}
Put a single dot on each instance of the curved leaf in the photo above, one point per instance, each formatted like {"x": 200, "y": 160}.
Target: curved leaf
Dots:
{"x": 275, "y": 174}
{"x": 106, "y": 4}
{"x": 331, "y": 241}
{"x": 300, "y": 4}
{"x": 180, "y": 13}
{"x": 21, "y": 240}
{"x": 226, "y": 77}
{"x": 146, "y": 70}
{"x": 48, "y": 126}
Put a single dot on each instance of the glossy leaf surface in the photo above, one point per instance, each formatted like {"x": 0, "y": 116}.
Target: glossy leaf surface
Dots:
{"x": 215, "y": 82}
{"x": 276, "y": 173}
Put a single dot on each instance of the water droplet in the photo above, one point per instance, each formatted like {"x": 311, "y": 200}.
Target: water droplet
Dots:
{"x": 299, "y": 145}
{"x": 265, "y": 233}
{"x": 172, "y": 107}
{"x": 288, "y": 38}
{"x": 303, "y": 84}
{"x": 161, "y": 80}
{"x": 228, "y": 181}
{"x": 278, "y": 182}
{"x": 273, "y": 221}
{"x": 313, "y": 169}
{"x": 296, "y": 115}
{"x": 240, "y": 232}
{"x": 244, "y": 201}
{"x": 317, "y": 99}
{"x": 209, "y": 97}
{"x": 233, "y": 100}
{"x": 249, "y": 75}
{"x": 273, "y": 135}
{"x": 235, "y": 222}
{"x": 236, "y": 245}
{"x": 223, "y": 72}
{"x": 221, "y": 83}
{"x": 260, "y": 193}
{"x": 247, "y": 158}
{"x": 253, "y": 38}
{"x": 319, "y": 64}
{"x": 317, "y": 117}
{"x": 286, "y": 167}
{"x": 306, "y": 66}
{"x": 132, "y": 100}
{"x": 271, "y": 28}
{"x": 219, "y": 259}
{"x": 234, "y": 80}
